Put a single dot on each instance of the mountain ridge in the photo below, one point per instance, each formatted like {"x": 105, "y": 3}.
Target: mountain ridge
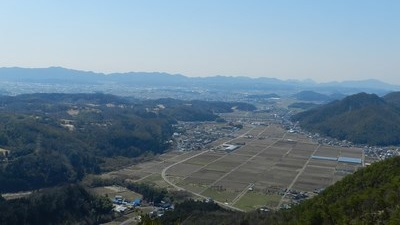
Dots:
{"x": 64, "y": 75}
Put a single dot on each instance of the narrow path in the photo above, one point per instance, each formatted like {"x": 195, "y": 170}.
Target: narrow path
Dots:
{"x": 297, "y": 177}
{"x": 240, "y": 165}
{"x": 239, "y": 196}
{"x": 163, "y": 173}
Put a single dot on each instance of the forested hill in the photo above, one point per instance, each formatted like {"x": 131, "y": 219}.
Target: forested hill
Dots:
{"x": 393, "y": 98}
{"x": 51, "y": 139}
{"x": 361, "y": 118}
{"x": 71, "y": 204}
{"x": 369, "y": 196}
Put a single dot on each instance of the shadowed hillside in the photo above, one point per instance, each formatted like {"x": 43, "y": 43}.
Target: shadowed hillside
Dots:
{"x": 361, "y": 118}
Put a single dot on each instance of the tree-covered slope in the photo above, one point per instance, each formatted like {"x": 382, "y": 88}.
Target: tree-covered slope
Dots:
{"x": 51, "y": 139}
{"x": 393, "y": 98}
{"x": 361, "y": 118}
{"x": 311, "y": 96}
{"x": 70, "y": 204}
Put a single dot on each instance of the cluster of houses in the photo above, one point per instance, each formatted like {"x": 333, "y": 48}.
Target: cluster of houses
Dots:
{"x": 160, "y": 209}
{"x": 121, "y": 204}
{"x": 196, "y": 136}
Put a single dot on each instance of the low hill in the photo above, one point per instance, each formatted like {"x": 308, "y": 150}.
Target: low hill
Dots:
{"x": 70, "y": 204}
{"x": 303, "y": 105}
{"x": 361, "y": 118}
{"x": 311, "y": 96}
{"x": 393, "y": 98}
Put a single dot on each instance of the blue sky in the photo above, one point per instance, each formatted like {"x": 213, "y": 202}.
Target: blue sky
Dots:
{"x": 320, "y": 39}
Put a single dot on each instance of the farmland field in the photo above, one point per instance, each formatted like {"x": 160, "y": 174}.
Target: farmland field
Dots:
{"x": 270, "y": 160}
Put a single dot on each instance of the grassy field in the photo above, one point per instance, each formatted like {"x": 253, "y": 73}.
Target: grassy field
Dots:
{"x": 112, "y": 191}
{"x": 253, "y": 200}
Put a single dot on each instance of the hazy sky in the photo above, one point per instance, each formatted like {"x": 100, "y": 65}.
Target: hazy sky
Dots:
{"x": 323, "y": 40}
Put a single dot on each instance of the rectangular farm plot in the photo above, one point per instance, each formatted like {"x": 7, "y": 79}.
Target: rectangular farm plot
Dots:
{"x": 178, "y": 157}
{"x": 201, "y": 182}
{"x": 232, "y": 185}
{"x": 285, "y": 144}
{"x": 248, "y": 150}
{"x": 227, "y": 163}
{"x": 256, "y": 166}
{"x": 314, "y": 178}
{"x": 327, "y": 151}
{"x": 219, "y": 193}
{"x": 253, "y": 200}
{"x": 241, "y": 177}
{"x": 291, "y": 163}
{"x": 182, "y": 170}
{"x": 299, "y": 154}
{"x": 274, "y": 152}
{"x": 204, "y": 159}
{"x": 309, "y": 184}
{"x": 307, "y": 147}
{"x": 157, "y": 168}
{"x": 256, "y": 131}
{"x": 282, "y": 177}
{"x": 207, "y": 174}
{"x": 323, "y": 163}
{"x": 351, "y": 153}
{"x": 261, "y": 143}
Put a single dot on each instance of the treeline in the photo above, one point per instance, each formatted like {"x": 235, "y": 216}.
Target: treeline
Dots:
{"x": 148, "y": 192}
{"x": 70, "y": 204}
{"x": 196, "y": 212}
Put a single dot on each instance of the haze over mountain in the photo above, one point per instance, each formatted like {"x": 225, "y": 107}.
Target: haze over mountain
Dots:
{"x": 65, "y": 77}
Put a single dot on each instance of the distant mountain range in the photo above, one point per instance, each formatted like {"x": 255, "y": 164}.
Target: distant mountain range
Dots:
{"x": 62, "y": 76}
{"x": 361, "y": 118}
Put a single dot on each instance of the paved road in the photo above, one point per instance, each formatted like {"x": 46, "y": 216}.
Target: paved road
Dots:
{"x": 164, "y": 176}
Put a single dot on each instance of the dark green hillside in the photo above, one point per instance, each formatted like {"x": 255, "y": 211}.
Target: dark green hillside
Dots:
{"x": 361, "y": 118}
{"x": 311, "y": 96}
{"x": 64, "y": 205}
{"x": 369, "y": 196}
{"x": 45, "y": 153}
{"x": 393, "y": 98}
{"x": 303, "y": 105}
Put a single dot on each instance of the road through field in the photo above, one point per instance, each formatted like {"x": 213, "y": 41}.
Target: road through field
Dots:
{"x": 164, "y": 176}
{"x": 297, "y": 177}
